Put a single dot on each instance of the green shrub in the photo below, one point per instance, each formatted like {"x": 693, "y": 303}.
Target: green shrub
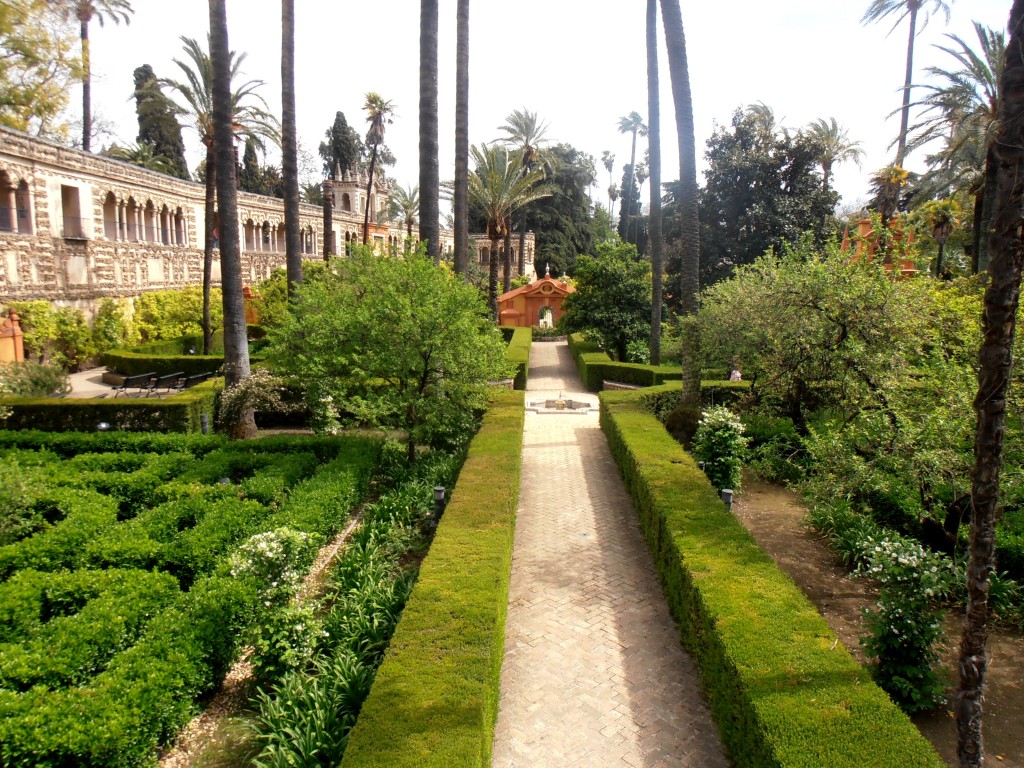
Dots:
{"x": 719, "y": 443}
{"x": 435, "y": 697}
{"x": 29, "y": 379}
{"x": 518, "y": 354}
{"x": 782, "y": 691}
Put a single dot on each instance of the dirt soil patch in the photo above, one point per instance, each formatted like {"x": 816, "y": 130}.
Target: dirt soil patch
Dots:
{"x": 774, "y": 516}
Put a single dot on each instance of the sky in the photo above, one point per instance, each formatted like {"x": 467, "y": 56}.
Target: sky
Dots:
{"x": 580, "y": 65}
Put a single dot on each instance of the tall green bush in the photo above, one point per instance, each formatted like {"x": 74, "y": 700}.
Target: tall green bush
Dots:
{"x": 719, "y": 443}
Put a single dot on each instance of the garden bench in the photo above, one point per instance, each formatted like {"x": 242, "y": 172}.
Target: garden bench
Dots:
{"x": 139, "y": 381}
{"x": 184, "y": 382}
{"x": 166, "y": 382}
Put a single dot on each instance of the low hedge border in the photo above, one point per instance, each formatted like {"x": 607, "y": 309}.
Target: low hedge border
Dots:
{"x": 518, "y": 354}
{"x": 177, "y": 413}
{"x": 782, "y": 690}
{"x": 172, "y": 355}
{"x": 595, "y": 367}
{"x": 435, "y": 698}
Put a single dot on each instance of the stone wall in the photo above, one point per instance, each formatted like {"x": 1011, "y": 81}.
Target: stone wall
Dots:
{"x": 79, "y": 227}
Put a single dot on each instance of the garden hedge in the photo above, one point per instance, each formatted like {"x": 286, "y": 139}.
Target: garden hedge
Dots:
{"x": 782, "y": 689}
{"x": 435, "y": 698}
{"x": 518, "y": 353}
{"x": 596, "y": 367}
{"x": 172, "y": 355}
{"x": 177, "y": 413}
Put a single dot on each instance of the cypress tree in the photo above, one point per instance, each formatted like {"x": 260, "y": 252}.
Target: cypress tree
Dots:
{"x": 157, "y": 124}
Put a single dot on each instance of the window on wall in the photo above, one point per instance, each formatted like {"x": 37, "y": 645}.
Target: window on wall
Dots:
{"x": 71, "y": 212}
{"x": 180, "y": 237}
{"x": 134, "y": 220}
{"x": 110, "y": 217}
{"x": 8, "y": 205}
{"x": 23, "y": 206}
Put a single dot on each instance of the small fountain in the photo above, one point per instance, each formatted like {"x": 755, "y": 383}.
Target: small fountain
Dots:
{"x": 560, "y": 404}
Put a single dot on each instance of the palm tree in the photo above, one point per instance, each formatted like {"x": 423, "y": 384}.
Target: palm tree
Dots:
{"x": 498, "y": 188}
{"x": 526, "y": 133}
{"x": 143, "y": 155}
{"x": 613, "y": 196}
{"x": 251, "y": 120}
{"x": 634, "y": 124}
{"x": 85, "y": 11}
{"x": 941, "y": 218}
{"x": 608, "y": 160}
{"x": 289, "y": 147}
{"x": 403, "y": 206}
{"x": 654, "y": 163}
{"x": 996, "y": 363}
{"x": 887, "y": 185}
{"x": 962, "y": 109}
{"x": 641, "y": 179}
{"x": 834, "y": 146}
{"x": 460, "y": 202}
{"x": 689, "y": 224}
{"x": 905, "y": 9}
{"x": 378, "y": 114}
{"x": 236, "y": 346}
{"x": 430, "y": 201}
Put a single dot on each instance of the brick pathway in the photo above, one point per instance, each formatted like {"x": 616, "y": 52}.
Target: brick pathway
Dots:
{"x": 594, "y": 674}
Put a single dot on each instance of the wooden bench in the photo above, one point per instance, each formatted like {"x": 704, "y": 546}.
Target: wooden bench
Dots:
{"x": 185, "y": 382}
{"x": 166, "y": 382}
{"x": 139, "y": 381}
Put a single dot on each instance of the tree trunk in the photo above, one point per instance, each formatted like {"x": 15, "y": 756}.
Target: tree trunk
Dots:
{"x": 492, "y": 279}
{"x": 211, "y": 205}
{"x": 461, "y": 191}
{"x": 86, "y": 88}
{"x": 506, "y": 263}
{"x": 995, "y": 363}
{"x": 369, "y": 189}
{"x": 522, "y": 242}
{"x": 901, "y": 147}
{"x": 654, "y": 151}
{"x": 236, "y": 348}
{"x": 328, "y": 218}
{"x": 983, "y": 221}
{"x": 289, "y": 147}
{"x": 675, "y": 42}
{"x": 430, "y": 185}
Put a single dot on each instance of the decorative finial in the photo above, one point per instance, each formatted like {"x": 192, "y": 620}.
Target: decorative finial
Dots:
{"x": 547, "y": 270}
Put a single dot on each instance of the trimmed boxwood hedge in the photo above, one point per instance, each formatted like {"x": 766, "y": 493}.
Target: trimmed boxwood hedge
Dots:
{"x": 177, "y": 413}
{"x": 435, "y": 698}
{"x": 172, "y": 355}
{"x": 782, "y": 689}
{"x": 596, "y": 367}
{"x": 518, "y": 353}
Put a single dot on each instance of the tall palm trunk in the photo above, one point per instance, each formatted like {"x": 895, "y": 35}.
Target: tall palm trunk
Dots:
{"x": 236, "y": 349}
{"x": 506, "y": 263}
{"x": 983, "y": 211}
{"x": 369, "y": 188}
{"x": 430, "y": 189}
{"x": 689, "y": 237}
{"x": 996, "y": 359}
{"x": 522, "y": 242}
{"x": 208, "y": 219}
{"x": 901, "y": 147}
{"x": 654, "y": 151}
{"x": 86, "y": 86}
{"x": 628, "y": 197}
{"x": 289, "y": 147}
{"x": 492, "y": 278}
{"x": 461, "y": 191}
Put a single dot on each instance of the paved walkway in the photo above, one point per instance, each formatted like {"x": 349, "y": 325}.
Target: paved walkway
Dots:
{"x": 594, "y": 674}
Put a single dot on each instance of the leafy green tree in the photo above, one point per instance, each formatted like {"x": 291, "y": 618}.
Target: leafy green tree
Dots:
{"x": 834, "y": 146}
{"x": 612, "y": 301}
{"x": 905, "y": 9}
{"x": 629, "y": 210}
{"x": 960, "y": 109}
{"x": 498, "y": 188}
{"x": 158, "y": 126}
{"x": 397, "y": 343}
{"x": 85, "y": 11}
{"x": 761, "y": 191}
{"x": 173, "y": 313}
{"x": 111, "y": 328}
{"x": 341, "y": 149}
{"x": 250, "y": 119}
{"x": 378, "y": 115}
{"x": 256, "y": 178}
{"x": 37, "y": 325}
{"x": 37, "y": 67}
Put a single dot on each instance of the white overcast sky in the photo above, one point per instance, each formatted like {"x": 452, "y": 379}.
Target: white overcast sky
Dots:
{"x": 579, "y": 64}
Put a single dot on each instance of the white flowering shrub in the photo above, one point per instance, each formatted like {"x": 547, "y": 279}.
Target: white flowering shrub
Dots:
{"x": 277, "y": 560}
{"x": 285, "y": 640}
{"x": 907, "y": 620}
{"x": 719, "y": 442}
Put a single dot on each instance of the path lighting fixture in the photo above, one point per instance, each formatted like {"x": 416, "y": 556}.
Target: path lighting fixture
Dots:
{"x": 102, "y": 426}
{"x": 438, "y": 506}
{"x": 727, "y": 497}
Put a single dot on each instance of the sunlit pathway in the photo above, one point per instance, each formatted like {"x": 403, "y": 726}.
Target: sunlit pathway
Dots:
{"x": 594, "y": 674}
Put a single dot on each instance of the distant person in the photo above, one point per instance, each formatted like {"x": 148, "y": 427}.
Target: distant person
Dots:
{"x": 735, "y": 375}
